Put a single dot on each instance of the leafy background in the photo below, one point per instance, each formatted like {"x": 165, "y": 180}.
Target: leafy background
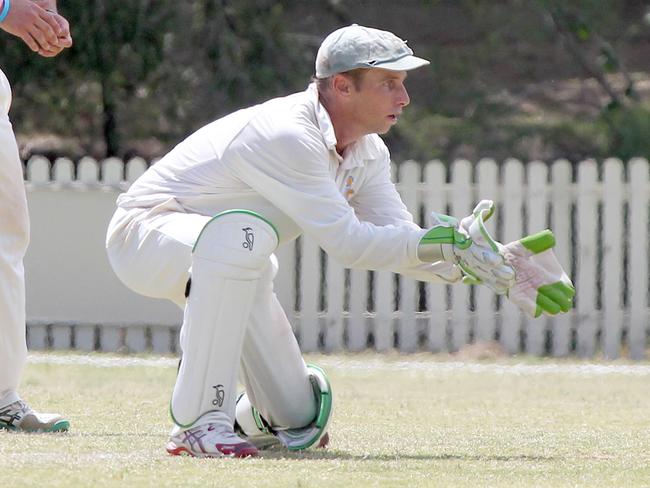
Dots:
{"x": 532, "y": 79}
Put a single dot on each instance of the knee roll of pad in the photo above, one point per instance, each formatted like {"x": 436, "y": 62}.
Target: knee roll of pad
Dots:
{"x": 258, "y": 430}
{"x": 241, "y": 241}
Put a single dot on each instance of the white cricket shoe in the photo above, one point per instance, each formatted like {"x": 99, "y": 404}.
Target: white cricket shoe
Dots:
{"x": 18, "y": 416}
{"x": 209, "y": 440}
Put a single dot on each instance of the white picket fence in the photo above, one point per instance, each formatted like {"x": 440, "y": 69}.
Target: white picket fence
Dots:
{"x": 598, "y": 212}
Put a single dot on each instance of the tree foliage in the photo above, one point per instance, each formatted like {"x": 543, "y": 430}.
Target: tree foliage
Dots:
{"x": 145, "y": 73}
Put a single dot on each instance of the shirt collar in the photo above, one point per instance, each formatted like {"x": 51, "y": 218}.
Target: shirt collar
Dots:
{"x": 357, "y": 153}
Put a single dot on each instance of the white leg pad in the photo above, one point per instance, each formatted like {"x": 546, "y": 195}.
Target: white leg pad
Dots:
{"x": 228, "y": 259}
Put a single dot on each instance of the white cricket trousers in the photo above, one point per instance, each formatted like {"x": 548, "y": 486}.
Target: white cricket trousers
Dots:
{"x": 14, "y": 237}
{"x": 150, "y": 250}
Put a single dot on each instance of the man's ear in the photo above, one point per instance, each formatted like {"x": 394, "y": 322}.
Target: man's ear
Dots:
{"x": 342, "y": 85}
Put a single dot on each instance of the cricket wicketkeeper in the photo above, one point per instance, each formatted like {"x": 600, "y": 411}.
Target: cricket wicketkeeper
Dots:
{"x": 201, "y": 225}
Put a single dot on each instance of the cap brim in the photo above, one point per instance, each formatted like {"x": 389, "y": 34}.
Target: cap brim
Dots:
{"x": 403, "y": 64}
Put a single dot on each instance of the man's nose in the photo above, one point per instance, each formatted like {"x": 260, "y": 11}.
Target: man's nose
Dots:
{"x": 404, "y": 98}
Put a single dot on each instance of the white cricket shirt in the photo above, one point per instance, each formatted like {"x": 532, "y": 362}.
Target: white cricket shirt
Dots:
{"x": 279, "y": 159}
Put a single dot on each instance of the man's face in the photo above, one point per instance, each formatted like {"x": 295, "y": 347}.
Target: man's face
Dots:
{"x": 379, "y": 99}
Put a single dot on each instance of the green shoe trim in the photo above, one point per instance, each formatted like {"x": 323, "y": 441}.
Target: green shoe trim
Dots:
{"x": 60, "y": 426}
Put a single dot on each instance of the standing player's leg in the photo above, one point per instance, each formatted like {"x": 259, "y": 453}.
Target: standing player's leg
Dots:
{"x": 285, "y": 399}
{"x": 15, "y": 414}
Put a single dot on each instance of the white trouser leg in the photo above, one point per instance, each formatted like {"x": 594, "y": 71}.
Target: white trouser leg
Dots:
{"x": 14, "y": 236}
{"x": 273, "y": 370}
{"x": 150, "y": 251}
{"x": 228, "y": 260}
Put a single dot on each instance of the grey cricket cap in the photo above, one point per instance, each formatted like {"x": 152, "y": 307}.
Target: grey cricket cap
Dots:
{"x": 356, "y": 46}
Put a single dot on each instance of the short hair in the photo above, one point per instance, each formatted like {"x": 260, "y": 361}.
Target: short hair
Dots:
{"x": 357, "y": 74}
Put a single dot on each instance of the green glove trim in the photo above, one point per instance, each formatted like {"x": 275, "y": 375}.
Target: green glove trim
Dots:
{"x": 470, "y": 280}
{"x": 554, "y": 298}
{"x": 539, "y": 242}
{"x": 480, "y": 210}
{"x": 446, "y": 235}
{"x": 484, "y": 232}
{"x": 448, "y": 219}
{"x": 470, "y": 277}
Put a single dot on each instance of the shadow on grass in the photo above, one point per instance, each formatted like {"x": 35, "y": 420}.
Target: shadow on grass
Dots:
{"x": 138, "y": 435}
{"x": 322, "y": 454}
{"x": 335, "y": 455}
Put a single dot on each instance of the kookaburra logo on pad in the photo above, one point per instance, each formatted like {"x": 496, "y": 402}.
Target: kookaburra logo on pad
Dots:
{"x": 250, "y": 238}
{"x": 218, "y": 401}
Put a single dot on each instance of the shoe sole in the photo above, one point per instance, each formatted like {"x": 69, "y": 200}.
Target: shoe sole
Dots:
{"x": 175, "y": 450}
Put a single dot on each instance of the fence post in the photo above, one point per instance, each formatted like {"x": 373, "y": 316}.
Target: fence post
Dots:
{"x": 638, "y": 257}
{"x": 561, "y": 225}
{"x": 612, "y": 262}
{"x": 335, "y": 286}
{"x": 513, "y": 183}
{"x": 487, "y": 183}
{"x": 134, "y": 168}
{"x": 408, "y": 334}
{"x": 536, "y": 206}
{"x": 309, "y": 294}
{"x": 436, "y": 201}
{"x": 586, "y": 255}
{"x": 63, "y": 171}
{"x": 38, "y": 170}
{"x": 461, "y": 205}
{"x": 358, "y": 298}
{"x": 384, "y": 310}
{"x": 112, "y": 170}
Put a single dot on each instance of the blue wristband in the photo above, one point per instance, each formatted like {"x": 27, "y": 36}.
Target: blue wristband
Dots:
{"x": 5, "y": 10}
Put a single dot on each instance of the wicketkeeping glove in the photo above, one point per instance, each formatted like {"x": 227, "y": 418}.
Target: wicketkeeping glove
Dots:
{"x": 541, "y": 285}
{"x": 464, "y": 244}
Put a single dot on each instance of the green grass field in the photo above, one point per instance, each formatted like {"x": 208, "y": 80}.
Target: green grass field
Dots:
{"x": 399, "y": 421}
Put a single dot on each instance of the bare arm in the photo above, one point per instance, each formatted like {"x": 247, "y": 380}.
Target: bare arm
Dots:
{"x": 38, "y": 24}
